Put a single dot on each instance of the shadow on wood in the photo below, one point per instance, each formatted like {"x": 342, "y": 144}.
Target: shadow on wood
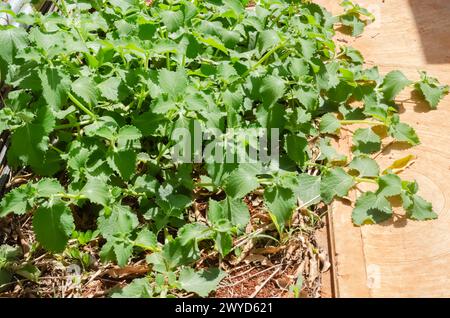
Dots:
{"x": 432, "y": 18}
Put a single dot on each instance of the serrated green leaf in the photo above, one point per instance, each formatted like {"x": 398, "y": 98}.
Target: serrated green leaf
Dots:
{"x": 15, "y": 201}
{"x": 13, "y": 40}
{"x": 241, "y": 182}
{"x": 55, "y": 86}
{"x": 173, "y": 20}
{"x": 123, "y": 162}
{"x": 126, "y": 135}
{"x": 267, "y": 39}
{"x": 335, "y": 182}
{"x": 201, "y": 282}
{"x": 272, "y": 88}
{"x": 53, "y": 226}
{"x": 417, "y": 208}
{"x": 296, "y": 148}
{"x": 352, "y": 21}
{"x": 371, "y": 208}
{"x": 306, "y": 187}
{"x": 367, "y": 167}
{"x": 85, "y": 88}
{"x": 138, "y": 288}
{"x": 47, "y": 187}
{"x": 173, "y": 83}
{"x": 194, "y": 232}
{"x": 329, "y": 124}
{"x": 329, "y": 153}
{"x": 146, "y": 240}
{"x": 389, "y": 185}
{"x": 123, "y": 251}
{"x": 281, "y": 203}
{"x": 230, "y": 209}
{"x": 431, "y": 89}
{"x": 111, "y": 89}
{"x": 124, "y": 5}
{"x": 223, "y": 243}
{"x": 96, "y": 191}
{"x": 118, "y": 220}
{"x": 404, "y": 132}
{"x": 30, "y": 142}
{"x": 366, "y": 140}
{"x": 394, "y": 82}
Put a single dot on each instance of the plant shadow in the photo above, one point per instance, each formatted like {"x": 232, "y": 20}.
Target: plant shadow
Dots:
{"x": 433, "y": 25}
{"x": 416, "y": 100}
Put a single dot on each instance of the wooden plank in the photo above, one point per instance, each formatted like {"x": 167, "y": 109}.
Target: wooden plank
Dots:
{"x": 404, "y": 258}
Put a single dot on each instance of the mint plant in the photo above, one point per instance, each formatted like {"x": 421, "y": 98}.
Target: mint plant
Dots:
{"x": 97, "y": 89}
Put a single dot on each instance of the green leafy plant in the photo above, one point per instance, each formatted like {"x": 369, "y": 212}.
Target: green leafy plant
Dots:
{"x": 97, "y": 89}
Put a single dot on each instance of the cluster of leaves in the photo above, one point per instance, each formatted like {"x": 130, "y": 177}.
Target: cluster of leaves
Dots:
{"x": 10, "y": 265}
{"x": 98, "y": 88}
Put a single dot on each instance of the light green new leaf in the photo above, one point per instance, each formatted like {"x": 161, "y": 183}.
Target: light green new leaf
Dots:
{"x": 53, "y": 226}
{"x": 335, "y": 182}
{"x": 201, "y": 282}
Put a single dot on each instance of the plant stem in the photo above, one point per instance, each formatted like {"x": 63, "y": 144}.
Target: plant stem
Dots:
{"x": 263, "y": 59}
{"x": 70, "y": 196}
{"x": 367, "y": 122}
{"x": 57, "y": 149}
{"x": 71, "y": 125}
{"x": 205, "y": 184}
{"x": 367, "y": 180}
{"x": 81, "y": 106}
